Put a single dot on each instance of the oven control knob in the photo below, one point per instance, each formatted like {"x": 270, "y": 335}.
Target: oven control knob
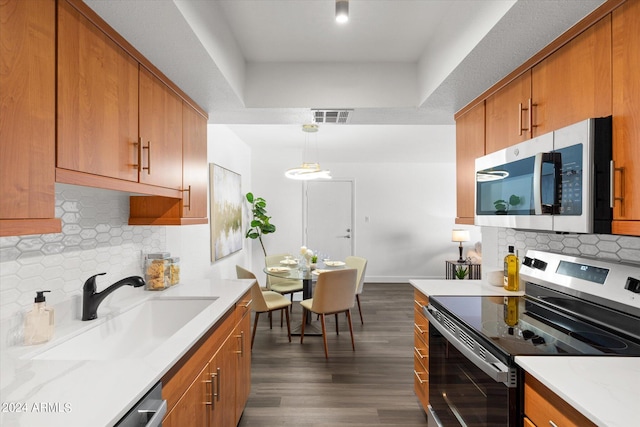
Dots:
{"x": 633, "y": 285}
{"x": 537, "y": 340}
{"x": 527, "y": 334}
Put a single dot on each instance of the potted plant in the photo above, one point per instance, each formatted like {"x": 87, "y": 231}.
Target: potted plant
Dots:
{"x": 260, "y": 223}
{"x": 461, "y": 272}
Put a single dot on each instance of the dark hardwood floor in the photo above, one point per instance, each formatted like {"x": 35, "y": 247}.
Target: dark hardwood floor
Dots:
{"x": 294, "y": 385}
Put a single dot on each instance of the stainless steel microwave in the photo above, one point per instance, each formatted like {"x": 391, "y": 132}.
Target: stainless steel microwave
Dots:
{"x": 560, "y": 181}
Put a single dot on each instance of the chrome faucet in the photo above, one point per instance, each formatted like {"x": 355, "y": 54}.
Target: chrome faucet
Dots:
{"x": 92, "y": 299}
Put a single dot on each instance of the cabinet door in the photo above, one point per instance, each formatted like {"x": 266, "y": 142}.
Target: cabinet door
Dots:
{"x": 160, "y": 133}
{"x": 469, "y": 146}
{"x": 27, "y": 127}
{"x": 243, "y": 357}
{"x": 194, "y": 163}
{"x": 222, "y": 370}
{"x": 97, "y": 100}
{"x": 508, "y": 114}
{"x": 626, "y": 117}
{"x": 574, "y": 83}
{"x": 192, "y": 408}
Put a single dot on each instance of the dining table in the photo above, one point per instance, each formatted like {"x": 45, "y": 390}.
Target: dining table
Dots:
{"x": 294, "y": 270}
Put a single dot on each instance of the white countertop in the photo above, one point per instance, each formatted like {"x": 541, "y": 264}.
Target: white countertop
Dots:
{"x": 604, "y": 389}
{"x": 48, "y": 393}
{"x": 460, "y": 287}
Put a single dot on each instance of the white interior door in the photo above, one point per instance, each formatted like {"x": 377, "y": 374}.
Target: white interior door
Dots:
{"x": 329, "y": 218}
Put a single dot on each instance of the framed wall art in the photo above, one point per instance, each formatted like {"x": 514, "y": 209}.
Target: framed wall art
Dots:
{"x": 226, "y": 211}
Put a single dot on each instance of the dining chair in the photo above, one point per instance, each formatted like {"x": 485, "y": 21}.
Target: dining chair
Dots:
{"x": 264, "y": 301}
{"x": 359, "y": 264}
{"x": 281, "y": 285}
{"x": 334, "y": 293}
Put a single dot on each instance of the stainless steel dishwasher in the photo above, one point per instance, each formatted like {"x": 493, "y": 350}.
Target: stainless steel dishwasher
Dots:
{"x": 148, "y": 412}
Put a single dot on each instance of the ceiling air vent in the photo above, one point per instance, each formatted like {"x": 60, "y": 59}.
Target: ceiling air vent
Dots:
{"x": 332, "y": 116}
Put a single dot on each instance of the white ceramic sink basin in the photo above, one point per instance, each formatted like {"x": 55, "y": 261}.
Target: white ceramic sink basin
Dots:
{"x": 132, "y": 334}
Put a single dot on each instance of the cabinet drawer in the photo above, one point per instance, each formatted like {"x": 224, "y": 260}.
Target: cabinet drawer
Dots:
{"x": 543, "y": 407}
{"x": 420, "y": 300}
{"x": 421, "y": 382}
{"x": 421, "y": 331}
{"x": 421, "y": 356}
{"x": 243, "y": 306}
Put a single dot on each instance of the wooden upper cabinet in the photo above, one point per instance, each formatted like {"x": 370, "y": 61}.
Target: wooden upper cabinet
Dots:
{"x": 574, "y": 83}
{"x": 508, "y": 114}
{"x": 470, "y": 139}
{"x": 194, "y": 163}
{"x": 160, "y": 115}
{"x": 97, "y": 100}
{"x": 27, "y": 126}
{"x": 626, "y": 117}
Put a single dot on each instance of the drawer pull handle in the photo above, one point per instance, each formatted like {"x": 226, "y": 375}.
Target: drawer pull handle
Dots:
{"x": 420, "y": 355}
{"x": 419, "y": 328}
{"x": 420, "y": 380}
{"x": 552, "y": 424}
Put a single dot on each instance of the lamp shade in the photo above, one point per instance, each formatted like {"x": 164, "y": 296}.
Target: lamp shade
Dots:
{"x": 460, "y": 236}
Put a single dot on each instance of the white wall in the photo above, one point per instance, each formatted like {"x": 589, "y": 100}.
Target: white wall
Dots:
{"x": 193, "y": 243}
{"x": 411, "y": 207}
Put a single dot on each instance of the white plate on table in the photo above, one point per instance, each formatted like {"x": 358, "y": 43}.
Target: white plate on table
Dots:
{"x": 318, "y": 272}
{"x": 278, "y": 269}
{"x": 334, "y": 263}
{"x": 289, "y": 261}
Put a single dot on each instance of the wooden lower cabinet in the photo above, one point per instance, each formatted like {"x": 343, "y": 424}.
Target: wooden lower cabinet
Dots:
{"x": 421, "y": 350}
{"x": 542, "y": 407}
{"x": 211, "y": 385}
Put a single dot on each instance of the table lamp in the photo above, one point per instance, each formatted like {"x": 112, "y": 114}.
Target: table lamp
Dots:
{"x": 460, "y": 236}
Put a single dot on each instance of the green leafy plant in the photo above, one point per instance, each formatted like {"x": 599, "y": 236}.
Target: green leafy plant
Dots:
{"x": 502, "y": 206}
{"x": 260, "y": 224}
{"x": 461, "y": 272}
{"x": 314, "y": 259}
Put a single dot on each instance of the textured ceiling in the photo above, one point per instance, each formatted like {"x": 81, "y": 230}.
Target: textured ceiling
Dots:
{"x": 397, "y": 62}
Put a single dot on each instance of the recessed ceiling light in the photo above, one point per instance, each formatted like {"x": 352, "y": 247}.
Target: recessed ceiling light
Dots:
{"x": 342, "y": 11}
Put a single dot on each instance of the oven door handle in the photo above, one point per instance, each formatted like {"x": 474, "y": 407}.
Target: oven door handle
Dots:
{"x": 495, "y": 369}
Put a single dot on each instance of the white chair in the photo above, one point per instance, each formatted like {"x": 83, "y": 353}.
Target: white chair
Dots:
{"x": 359, "y": 264}
{"x": 264, "y": 301}
{"x": 334, "y": 293}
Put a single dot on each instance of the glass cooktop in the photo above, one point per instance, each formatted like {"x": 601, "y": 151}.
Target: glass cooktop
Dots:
{"x": 524, "y": 326}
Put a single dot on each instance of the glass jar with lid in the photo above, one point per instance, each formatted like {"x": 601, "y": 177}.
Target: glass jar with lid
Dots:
{"x": 174, "y": 270}
{"x": 156, "y": 271}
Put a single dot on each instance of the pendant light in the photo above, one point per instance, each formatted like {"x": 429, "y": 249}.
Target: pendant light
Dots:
{"x": 308, "y": 170}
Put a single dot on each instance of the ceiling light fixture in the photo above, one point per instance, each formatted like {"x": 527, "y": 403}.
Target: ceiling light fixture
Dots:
{"x": 308, "y": 170}
{"x": 342, "y": 11}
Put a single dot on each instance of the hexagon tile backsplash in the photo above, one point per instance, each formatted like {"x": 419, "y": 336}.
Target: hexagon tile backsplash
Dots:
{"x": 95, "y": 238}
{"x": 610, "y": 247}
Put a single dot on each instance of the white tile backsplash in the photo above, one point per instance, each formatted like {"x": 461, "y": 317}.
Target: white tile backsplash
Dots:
{"x": 615, "y": 248}
{"x": 95, "y": 238}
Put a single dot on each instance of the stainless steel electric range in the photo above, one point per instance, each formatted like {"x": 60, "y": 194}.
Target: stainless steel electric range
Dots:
{"x": 572, "y": 306}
